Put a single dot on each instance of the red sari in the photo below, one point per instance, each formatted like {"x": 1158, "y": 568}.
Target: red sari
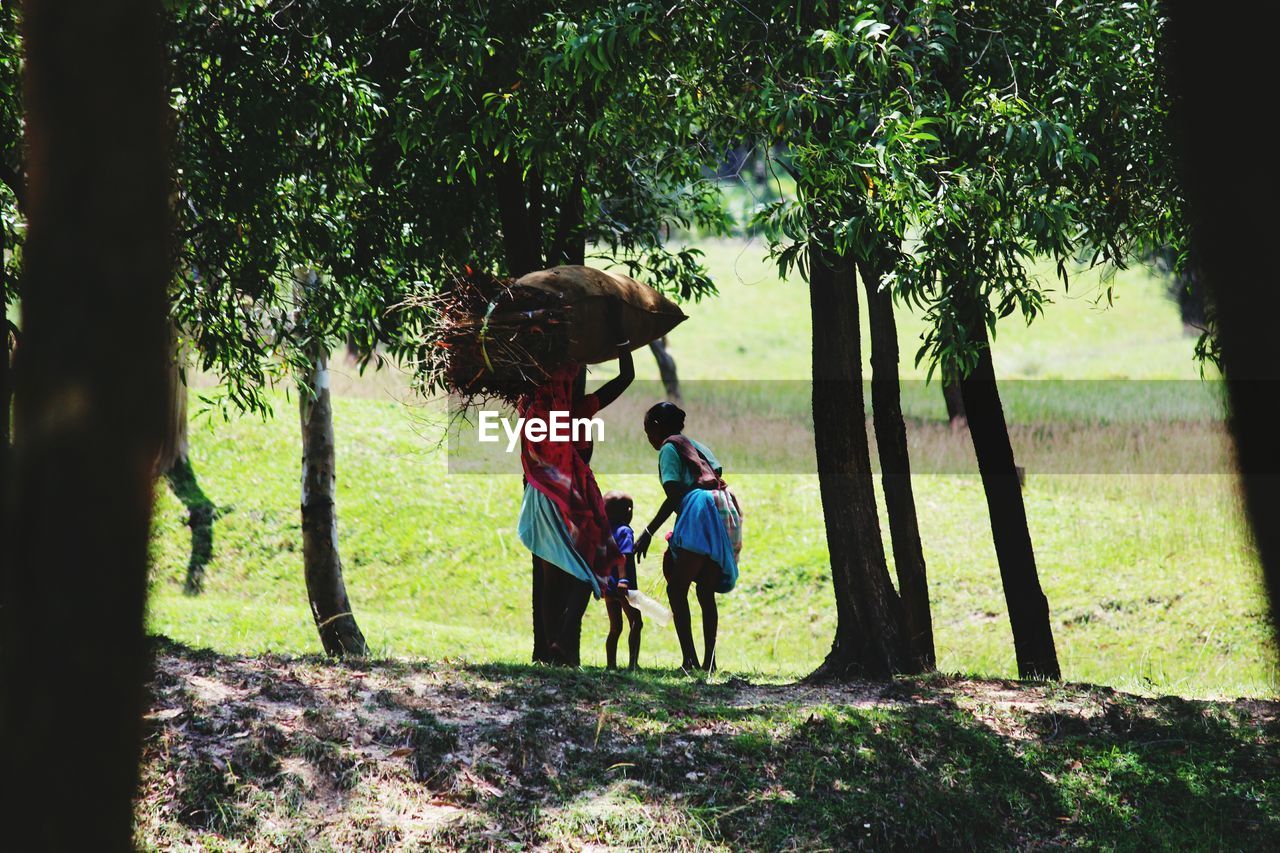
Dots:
{"x": 558, "y": 471}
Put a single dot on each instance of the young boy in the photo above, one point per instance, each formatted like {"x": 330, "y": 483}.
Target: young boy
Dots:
{"x": 618, "y": 506}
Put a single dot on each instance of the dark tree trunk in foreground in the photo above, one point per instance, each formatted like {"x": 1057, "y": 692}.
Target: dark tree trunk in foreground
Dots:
{"x": 1206, "y": 83}
{"x": 89, "y": 401}
{"x": 870, "y": 639}
{"x": 5, "y": 381}
{"x": 895, "y": 468}
{"x": 322, "y": 565}
{"x": 666, "y": 369}
{"x": 1028, "y": 607}
{"x": 6, "y": 418}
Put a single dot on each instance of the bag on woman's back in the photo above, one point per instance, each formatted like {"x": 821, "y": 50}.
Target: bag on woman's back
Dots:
{"x": 706, "y": 478}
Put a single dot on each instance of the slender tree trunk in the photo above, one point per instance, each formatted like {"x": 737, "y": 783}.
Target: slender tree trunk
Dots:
{"x": 666, "y": 369}
{"x": 870, "y": 639}
{"x": 954, "y": 399}
{"x": 895, "y": 467}
{"x": 322, "y": 565}
{"x": 569, "y": 246}
{"x": 1028, "y": 607}
{"x": 326, "y": 589}
{"x": 522, "y": 249}
{"x": 89, "y": 384}
{"x": 521, "y": 238}
{"x": 1205, "y": 84}
{"x": 176, "y": 447}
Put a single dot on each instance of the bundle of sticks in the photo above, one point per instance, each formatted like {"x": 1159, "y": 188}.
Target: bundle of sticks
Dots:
{"x": 487, "y": 338}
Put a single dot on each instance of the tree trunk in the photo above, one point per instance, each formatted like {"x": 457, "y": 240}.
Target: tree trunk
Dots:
{"x": 521, "y": 240}
{"x": 330, "y": 606}
{"x": 1028, "y": 607}
{"x": 666, "y": 368}
{"x": 954, "y": 399}
{"x": 1205, "y": 83}
{"x": 895, "y": 468}
{"x": 870, "y": 639}
{"x": 522, "y": 249}
{"x": 176, "y": 446}
{"x": 89, "y": 384}
{"x": 6, "y": 413}
{"x": 569, "y": 246}
{"x": 5, "y": 395}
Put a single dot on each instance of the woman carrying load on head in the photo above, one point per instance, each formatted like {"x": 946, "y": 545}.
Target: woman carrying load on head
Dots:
{"x": 703, "y": 547}
{"x": 562, "y": 515}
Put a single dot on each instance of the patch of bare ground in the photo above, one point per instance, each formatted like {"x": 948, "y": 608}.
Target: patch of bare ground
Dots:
{"x": 303, "y": 754}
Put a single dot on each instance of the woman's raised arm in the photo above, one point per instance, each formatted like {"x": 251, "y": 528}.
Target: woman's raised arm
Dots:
{"x": 612, "y": 390}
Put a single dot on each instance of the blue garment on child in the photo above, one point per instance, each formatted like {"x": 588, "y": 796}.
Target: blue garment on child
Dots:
{"x": 626, "y": 539}
{"x": 700, "y": 529}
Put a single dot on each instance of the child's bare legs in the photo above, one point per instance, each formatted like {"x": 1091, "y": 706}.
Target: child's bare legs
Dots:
{"x": 681, "y": 572}
{"x": 633, "y": 635}
{"x": 614, "y": 607}
{"x": 710, "y": 614}
{"x": 636, "y": 622}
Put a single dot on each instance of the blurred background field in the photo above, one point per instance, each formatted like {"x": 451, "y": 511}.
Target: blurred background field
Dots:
{"x": 1151, "y": 580}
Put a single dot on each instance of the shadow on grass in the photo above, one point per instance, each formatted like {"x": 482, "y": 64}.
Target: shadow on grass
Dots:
{"x": 201, "y": 513}
{"x": 659, "y": 760}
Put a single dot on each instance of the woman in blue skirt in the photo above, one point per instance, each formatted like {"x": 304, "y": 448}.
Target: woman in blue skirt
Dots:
{"x": 703, "y": 548}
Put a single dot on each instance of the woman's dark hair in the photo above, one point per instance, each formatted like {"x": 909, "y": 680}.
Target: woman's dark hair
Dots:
{"x": 669, "y": 416}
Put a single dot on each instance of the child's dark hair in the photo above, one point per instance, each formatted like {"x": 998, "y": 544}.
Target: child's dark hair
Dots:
{"x": 668, "y": 416}
{"x": 614, "y": 503}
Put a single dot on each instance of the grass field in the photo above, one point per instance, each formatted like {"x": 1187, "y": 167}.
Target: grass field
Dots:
{"x": 1150, "y": 578}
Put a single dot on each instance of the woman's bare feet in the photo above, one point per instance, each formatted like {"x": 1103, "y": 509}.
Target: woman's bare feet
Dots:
{"x": 558, "y": 656}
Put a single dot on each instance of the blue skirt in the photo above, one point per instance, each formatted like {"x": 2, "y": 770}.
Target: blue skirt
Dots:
{"x": 543, "y": 532}
{"x": 700, "y": 528}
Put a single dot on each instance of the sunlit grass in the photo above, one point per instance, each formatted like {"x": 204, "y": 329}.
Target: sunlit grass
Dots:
{"x": 1151, "y": 581}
